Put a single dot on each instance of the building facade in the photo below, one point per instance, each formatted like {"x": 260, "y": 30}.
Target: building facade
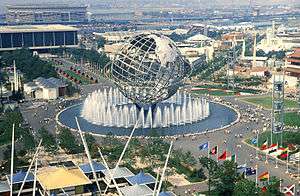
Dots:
{"x": 293, "y": 63}
{"x": 37, "y": 37}
{"x": 30, "y": 14}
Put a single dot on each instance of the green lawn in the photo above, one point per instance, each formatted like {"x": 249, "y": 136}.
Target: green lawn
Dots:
{"x": 287, "y": 138}
{"x": 78, "y": 77}
{"x": 292, "y": 119}
{"x": 266, "y": 102}
{"x": 219, "y": 90}
{"x": 213, "y": 93}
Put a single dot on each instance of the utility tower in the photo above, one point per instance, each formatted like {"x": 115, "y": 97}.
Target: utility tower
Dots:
{"x": 230, "y": 66}
{"x": 278, "y": 101}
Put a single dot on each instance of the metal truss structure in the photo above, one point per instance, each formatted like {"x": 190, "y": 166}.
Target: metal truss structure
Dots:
{"x": 149, "y": 69}
{"x": 278, "y": 100}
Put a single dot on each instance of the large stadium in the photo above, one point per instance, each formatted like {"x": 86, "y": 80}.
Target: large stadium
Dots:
{"x": 37, "y": 37}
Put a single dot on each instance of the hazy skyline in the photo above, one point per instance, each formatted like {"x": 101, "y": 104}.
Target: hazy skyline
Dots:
{"x": 156, "y": 3}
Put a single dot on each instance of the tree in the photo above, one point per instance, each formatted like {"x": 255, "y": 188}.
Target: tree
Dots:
{"x": 273, "y": 187}
{"x": 227, "y": 177}
{"x": 31, "y": 66}
{"x": 213, "y": 169}
{"x": 49, "y": 141}
{"x": 68, "y": 142}
{"x": 245, "y": 187}
{"x": 92, "y": 56}
{"x": 101, "y": 42}
{"x": 92, "y": 145}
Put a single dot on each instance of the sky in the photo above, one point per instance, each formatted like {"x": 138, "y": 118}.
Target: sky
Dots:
{"x": 163, "y": 3}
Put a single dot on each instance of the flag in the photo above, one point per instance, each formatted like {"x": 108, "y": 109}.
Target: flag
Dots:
{"x": 203, "y": 146}
{"x": 264, "y": 189}
{"x": 254, "y": 141}
{"x": 271, "y": 148}
{"x": 284, "y": 155}
{"x": 264, "y": 145}
{"x": 250, "y": 171}
{"x": 264, "y": 176}
{"x": 289, "y": 190}
{"x": 223, "y": 156}
{"x": 214, "y": 150}
{"x": 278, "y": 152}
{"x": 231, "y": 158}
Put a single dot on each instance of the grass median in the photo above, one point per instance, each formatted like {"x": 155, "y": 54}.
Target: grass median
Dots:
{"x": 266, "y": 102}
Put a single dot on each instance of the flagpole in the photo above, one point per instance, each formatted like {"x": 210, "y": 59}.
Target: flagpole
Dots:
{"x": 34, "y": 182}
{"x": 245, "y": 170}
{"x": 217, "y": 153}
{"x": 280, "y": 185}
{"x": 287, "y": 163}
{"x": 208, "y": 149}
{"x": 12, "y": 159}
{"x": 268, "y": 176}
{"x": 257, "y": 145}
{"x": 256, "y": 175}
{"x": 298, "y": 166}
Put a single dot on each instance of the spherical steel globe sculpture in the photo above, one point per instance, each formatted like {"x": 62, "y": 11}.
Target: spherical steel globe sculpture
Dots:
{"x": 149, "y": 68}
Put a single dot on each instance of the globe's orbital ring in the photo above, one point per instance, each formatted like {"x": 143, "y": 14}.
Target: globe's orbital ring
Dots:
{"x": 149, "y": 68}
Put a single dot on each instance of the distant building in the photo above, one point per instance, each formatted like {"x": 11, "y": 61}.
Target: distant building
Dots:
{"x": 32, "y": 14}
{"x": 259, "y": 61}
{"x": 259, "y": 71}
{"x": 280, "y": 38}
{"x": 121, "y": 36}
{"x": 37, "y": 37}
{"x": 293, "y": 63}
{"x": 48, "y": 89}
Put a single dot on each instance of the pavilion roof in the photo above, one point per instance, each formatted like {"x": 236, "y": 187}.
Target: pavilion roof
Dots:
{"x": 141, "y": 178}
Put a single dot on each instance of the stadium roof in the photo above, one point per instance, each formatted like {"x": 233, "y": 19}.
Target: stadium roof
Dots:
{"x": 19, "y": 177}
{"x": 136, "y": 190}
{"x": 44, "y": 6}
{"x": 58, "y": 177}
{"x": 36, "y": 28}
{"x": 86, "y": 168}
{"x": 141, "y": 178}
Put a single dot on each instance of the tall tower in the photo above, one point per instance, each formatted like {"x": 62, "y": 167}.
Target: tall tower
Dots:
{"x": 254, "y": 51}
{"x": 230, "y": 66}
{"x": 278, "y": 101}
{"x": 244, "y": 49}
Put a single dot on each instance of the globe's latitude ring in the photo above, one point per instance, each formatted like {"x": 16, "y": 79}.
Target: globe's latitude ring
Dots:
{"x": 149, "y": 68}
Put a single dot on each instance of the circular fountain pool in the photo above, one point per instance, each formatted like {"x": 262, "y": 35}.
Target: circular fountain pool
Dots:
{"x": 107, "y": 111}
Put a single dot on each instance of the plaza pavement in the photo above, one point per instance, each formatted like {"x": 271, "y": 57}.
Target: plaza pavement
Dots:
{"x": 245, "y": 153}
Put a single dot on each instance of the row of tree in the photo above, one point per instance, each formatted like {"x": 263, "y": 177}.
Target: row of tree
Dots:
{"x": 225, "y": 180}
{"x": 94, "y": 57}
{"x": 30, "y": 65}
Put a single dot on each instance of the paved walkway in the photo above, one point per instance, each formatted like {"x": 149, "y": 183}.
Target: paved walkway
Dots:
{"x": 245, "y": 153}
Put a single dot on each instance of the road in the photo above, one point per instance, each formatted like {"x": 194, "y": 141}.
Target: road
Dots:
{"x": 228, "y": 141}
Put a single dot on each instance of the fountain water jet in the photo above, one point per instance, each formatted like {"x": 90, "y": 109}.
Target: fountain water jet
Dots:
{"x": 108, "y": 107}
